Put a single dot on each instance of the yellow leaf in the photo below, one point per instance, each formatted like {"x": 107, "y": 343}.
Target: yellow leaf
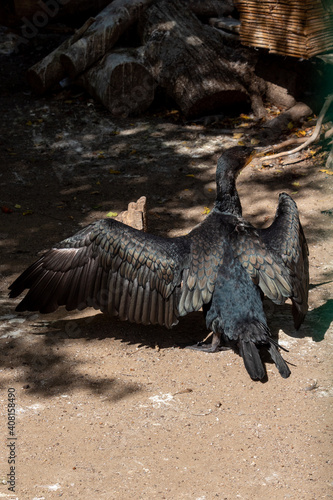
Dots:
{"x": 290, "y": 125}
{"x": 237, "y": 135}
{"x": 111, "y": 214}
{"x": 241, "y": 143}
{"x": 29, "y": 123}
{"x": 254, "y": 142}
{"x": 294, "y": 192}
{"x": 17, "y": 206}
{"x": 245, "y": 117}
{"x": 329, "y": 172}
{"x": 206, "y": 211}
{"x": 296, "y": 184}
{"x": 27, "y": 212}
{"x": 300, "y": 133}
{"x": 98, "y": 183}
{"x": 210, "y": 190}
{"x": 114, "y": 172}
{"x": 190, "y": 175}
{"x": 133, "y": 152}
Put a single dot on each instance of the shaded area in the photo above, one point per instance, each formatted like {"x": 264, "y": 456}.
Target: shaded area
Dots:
{"x": 43, "y": 349}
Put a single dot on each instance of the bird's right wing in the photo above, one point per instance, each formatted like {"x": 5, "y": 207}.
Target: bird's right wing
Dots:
{"x": 112, "y": 267}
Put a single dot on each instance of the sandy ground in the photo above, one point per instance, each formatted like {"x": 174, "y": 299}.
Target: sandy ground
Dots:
{"x": 110, "y": 410}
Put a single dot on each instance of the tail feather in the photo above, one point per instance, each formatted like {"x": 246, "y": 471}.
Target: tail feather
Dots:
{"x": 252, "y": 338}
{"x": 278, "y": 360}
{"x": 252, "y": 360}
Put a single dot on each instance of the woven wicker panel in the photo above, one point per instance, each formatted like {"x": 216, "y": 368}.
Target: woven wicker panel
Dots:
{"x": 298, "y": 28}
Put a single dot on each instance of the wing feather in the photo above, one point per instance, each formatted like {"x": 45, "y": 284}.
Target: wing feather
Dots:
{"x": 109, "y": 266}
{"x": 285, "y": 237}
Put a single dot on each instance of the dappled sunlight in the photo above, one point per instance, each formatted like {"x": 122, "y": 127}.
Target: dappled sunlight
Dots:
{"x": 135, "y": 129}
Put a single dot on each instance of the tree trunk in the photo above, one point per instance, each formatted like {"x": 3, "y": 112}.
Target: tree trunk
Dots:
{"x": 188, "y": 60}
{"x": 102, "y": 35}
{"x": 121, "y": 82}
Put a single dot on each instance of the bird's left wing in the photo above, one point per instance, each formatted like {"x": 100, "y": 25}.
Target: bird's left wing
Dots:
{"x": 266, "y": 269}
{"x": 285, "y": 238}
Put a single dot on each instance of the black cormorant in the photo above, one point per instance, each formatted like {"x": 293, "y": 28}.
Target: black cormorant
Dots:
{"x": 223, "y": 265}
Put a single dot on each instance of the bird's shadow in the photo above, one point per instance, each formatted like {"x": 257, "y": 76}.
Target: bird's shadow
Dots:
{"x": 101, "y": 326}
{"x": 48, "y": 372}
{"x": 316, "y": 323}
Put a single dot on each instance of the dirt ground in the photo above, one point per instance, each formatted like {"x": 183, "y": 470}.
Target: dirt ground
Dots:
{"x": 111, "y": 410}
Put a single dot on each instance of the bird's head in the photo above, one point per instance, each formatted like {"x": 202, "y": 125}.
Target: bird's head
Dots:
{"x": 233, "y": 160}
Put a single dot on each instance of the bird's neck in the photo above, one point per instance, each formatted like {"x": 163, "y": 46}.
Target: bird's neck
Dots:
{"x": 227, "y": 199}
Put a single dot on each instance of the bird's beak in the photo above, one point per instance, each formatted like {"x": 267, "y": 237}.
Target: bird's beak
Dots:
{"x": 250, "y": 158}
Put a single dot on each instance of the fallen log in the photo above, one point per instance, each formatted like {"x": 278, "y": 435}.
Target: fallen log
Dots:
{"x": 102, "y": 35}
{"x": 49, "y": 71}
{"x": 121, "y": 82}
{"x": 188, "y": 60}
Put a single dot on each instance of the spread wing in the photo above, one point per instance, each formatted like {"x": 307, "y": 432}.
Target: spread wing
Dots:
{"x": 120, "y": 270}
{"x": 277, "y": 257}
{"x": 285, "y": 237}
{"x": 266, "y": 269}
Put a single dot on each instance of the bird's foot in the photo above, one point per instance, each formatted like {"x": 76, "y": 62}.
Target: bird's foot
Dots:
{"x": 207, "y": 347}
